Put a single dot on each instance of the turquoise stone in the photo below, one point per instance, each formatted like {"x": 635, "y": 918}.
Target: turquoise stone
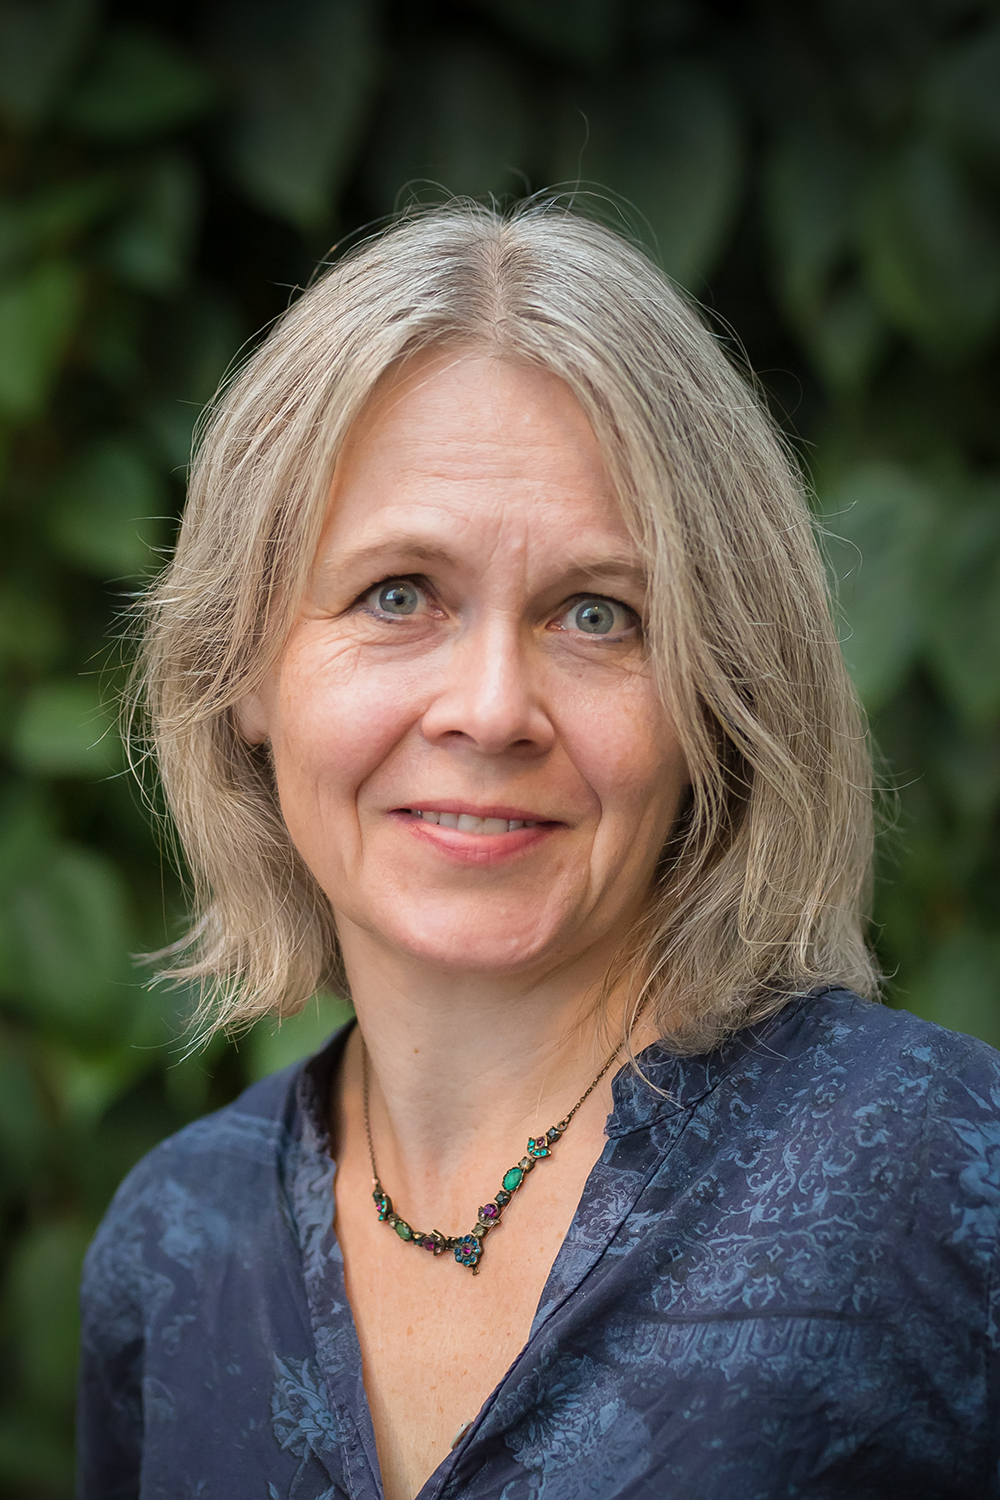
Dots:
{"x": 403, "y": 1229}
{"x": 513, "y": 1179}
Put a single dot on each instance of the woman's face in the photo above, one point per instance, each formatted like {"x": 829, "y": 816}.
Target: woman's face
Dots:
{"x": 470, "y": 752}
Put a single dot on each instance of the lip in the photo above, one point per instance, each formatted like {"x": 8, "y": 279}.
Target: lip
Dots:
{"x": 477, "y": 849}
{"x": 473, "y": 810}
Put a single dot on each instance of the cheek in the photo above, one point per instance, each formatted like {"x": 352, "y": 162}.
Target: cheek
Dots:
{"x": 629, "y": 752}
{"x": 334, "y": 726}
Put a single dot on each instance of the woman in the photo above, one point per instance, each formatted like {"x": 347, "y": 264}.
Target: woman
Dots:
{"x": 494, "y": 681}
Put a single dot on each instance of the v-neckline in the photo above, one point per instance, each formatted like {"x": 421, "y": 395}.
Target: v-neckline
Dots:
{"x": 335, "y": 1334}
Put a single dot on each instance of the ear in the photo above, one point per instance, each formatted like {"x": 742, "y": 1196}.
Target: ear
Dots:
{"x": 252, "y": 718}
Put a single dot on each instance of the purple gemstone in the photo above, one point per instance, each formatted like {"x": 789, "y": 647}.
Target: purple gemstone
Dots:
{"x": 489, "y": 1211}
{"x": 428, "y": 1244}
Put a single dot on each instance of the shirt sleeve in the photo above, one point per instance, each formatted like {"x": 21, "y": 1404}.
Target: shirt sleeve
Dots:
{"x": 109, "y": 1400}
{"x": 962, "y": 1187}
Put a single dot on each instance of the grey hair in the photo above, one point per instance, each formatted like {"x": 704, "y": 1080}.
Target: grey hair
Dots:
{"x": 760, "y": 892}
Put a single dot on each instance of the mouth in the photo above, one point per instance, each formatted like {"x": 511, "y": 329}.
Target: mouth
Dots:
{"x": 470, "y": 822}
{"x": 476, "y": 836}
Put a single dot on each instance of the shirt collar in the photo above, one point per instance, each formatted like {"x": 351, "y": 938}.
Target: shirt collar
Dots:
{"x": 658, "y": 1084}
{"x": 662, "y": 1082}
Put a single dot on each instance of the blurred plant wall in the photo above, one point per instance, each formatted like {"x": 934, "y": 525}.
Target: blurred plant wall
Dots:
{"x": 823, "y": 177}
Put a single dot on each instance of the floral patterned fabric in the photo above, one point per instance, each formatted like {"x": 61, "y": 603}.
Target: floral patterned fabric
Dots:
{"x": 781, "y": 1280}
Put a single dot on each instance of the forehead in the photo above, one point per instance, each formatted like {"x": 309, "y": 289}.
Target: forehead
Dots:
{"x": 466, "y": 448}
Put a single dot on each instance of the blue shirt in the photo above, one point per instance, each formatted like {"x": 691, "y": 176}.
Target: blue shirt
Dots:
{"x": 781, "y": 1280}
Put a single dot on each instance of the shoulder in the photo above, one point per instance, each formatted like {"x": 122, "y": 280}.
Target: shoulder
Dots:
{"x": 876, "y": 1047}
{"x": 833, "y": 1054}
{"x": 249, "y": 1133}
{"x": 912, "y": 1099}
{"x": 248, "y": 1137}
{"x": 189, "y": 1187}
{"x": 220, "y": 1183}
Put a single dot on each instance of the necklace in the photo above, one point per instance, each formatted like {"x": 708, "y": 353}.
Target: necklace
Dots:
{"x": 468, "y": 1248}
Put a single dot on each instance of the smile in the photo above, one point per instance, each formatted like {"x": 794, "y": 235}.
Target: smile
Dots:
{"x": 467, "y": 823}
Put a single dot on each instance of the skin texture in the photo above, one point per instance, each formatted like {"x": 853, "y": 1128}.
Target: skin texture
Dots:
{"x": 474, "y": 488}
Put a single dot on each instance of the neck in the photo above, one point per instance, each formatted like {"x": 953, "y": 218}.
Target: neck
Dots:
{"x": 459, "y": 1061}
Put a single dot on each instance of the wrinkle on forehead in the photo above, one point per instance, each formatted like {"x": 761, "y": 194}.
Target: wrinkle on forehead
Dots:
{"x": 525, "y": 419}
{"x": 624, "y": 566}
{"x": 482, "y": 451}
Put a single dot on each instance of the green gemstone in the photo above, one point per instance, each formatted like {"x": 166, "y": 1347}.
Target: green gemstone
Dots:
{"x": 513, "y": 1179}
{"x": 403, "y": 1229}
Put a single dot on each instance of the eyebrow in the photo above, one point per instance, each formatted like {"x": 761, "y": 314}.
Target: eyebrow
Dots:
{"x": 613, "y": 567}
{"x": 403, "y": 546}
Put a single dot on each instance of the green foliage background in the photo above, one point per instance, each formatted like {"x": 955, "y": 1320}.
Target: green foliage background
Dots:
{"x": 824, "y": 177}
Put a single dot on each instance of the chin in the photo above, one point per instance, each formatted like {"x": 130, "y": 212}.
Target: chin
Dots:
{"x": 465, "y": 947}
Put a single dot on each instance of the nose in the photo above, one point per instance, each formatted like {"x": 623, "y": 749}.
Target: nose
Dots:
{"x": 490, "y": 698}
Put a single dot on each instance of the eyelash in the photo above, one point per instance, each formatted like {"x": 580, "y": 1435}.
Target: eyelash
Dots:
{"x": 420, "y": 583}
{"x": 634, "y": 621}
{"x": 415, "y": 579}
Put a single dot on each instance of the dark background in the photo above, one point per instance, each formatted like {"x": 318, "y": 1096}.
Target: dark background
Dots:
{"x": 822, "y": 176}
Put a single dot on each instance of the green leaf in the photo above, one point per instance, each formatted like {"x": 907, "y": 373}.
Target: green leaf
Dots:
{"x": 139, "y": 85}
{"x": 22, "y": 1125}
{"x": 64, "y": 730}
{"x": 585, "y": 30}
{"x": 31, "y": 632}
{"x": 38, "y": 313}
{"x": 960, "y": 987}
{"x": 85, "y": 1085}
{"x": 26, "y": 833}
{"x": 845, "y": 336}
{"x": 36, "y": 1454}
{"x": 115, "y": 344}
{"x": 197, "y": 342}
{"x": 968, "y": 762}
{"x": 49, "y": 222}
{"x": 41, "y": 1295}
{"x": 933, "y": 251}
{"x": 271, "y": 1045}
{"x": 14, "y": 239}
{"x": 964, "y": 615}
{"x": 40, "y": 41}
{"x": 57, "y": 216}
{"x": 879, "y": 522}
{"x": 151, "y": 248}
{"x": 810, "y": 183}
{"x": 458, "y": 121}
{"x": 302, "y": 75}
{"x": 107, "y": 510}
{"x": 668, "y": 141}
{"x": 964, "y": 94}
{"x": 66, "y": 945}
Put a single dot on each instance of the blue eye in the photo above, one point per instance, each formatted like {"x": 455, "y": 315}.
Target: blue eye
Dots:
{"x": 598, "y": 617}
{"x": 398, "y": 598}
{"x": 595, "y": 617}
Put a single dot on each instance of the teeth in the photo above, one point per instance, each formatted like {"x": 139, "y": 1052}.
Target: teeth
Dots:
{"x": 466, "y": 823}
